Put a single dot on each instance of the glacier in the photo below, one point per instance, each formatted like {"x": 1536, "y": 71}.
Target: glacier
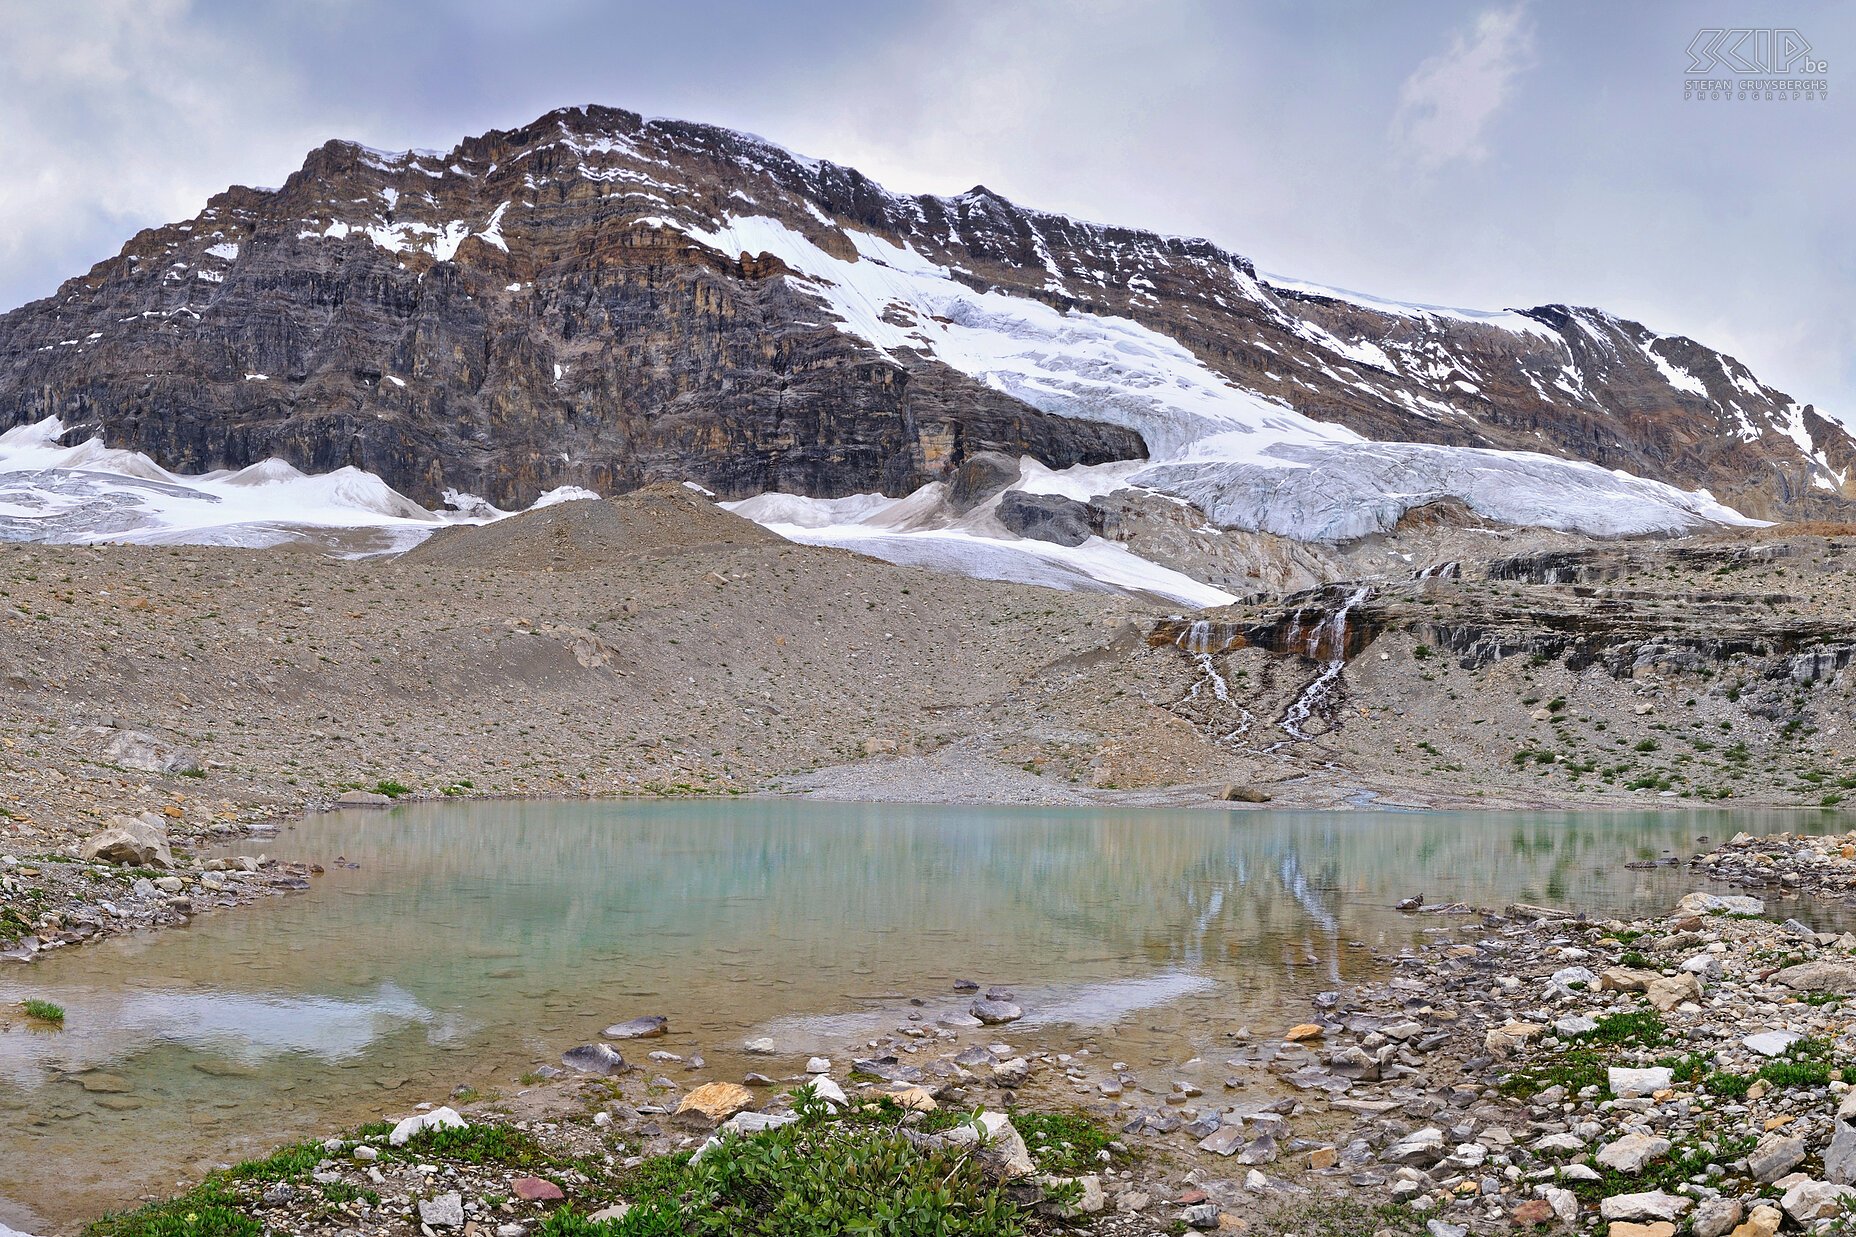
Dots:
{"x": 1249, "y": 461}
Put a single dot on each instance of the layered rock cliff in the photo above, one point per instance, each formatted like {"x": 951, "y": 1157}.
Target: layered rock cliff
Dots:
{"x": 575, "y": 302}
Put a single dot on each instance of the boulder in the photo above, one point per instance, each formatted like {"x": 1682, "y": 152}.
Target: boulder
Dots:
{"x": 750, "y": 1122}
{"x": 1564, "y": 1202}
{"x": 1656, "y": 1228}
{"x": 1045, "y": 517}
{"x": 135, "y": 841}
{"x": 912, "y": 1099}
{"x": 134, "y": 749}
{"x": 1503, "y": 1040}
{"x": 1226, "y": 1140}
{"x": 979, "y": 477}
{"x": 1704, "y": 966}
{"x": 1236, "y": 793}
{"x": 1819, "y": 977}
{"x": 714, "y": 1102}
{"x": 535, "y": 1190}
{"x": 362, "y": 798}
{"x": 648, "y": 1027}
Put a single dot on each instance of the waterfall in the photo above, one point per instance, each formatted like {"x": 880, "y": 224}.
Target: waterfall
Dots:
{"x": 1198, "y": 641}
{"x": 1326, "y": 642}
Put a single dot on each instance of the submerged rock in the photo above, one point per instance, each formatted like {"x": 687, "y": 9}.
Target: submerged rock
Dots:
{"x": 993, "y": 1013}
{"x": 600, "y": 1059}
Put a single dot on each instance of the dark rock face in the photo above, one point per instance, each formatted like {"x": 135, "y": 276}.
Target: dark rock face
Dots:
{"x": 983, "y": 474}
{"x": 1045, "y": 517}
{"x": 537, "y": 308}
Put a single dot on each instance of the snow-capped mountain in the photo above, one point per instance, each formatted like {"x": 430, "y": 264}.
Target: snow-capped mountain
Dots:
{"x": 601, "y": 300}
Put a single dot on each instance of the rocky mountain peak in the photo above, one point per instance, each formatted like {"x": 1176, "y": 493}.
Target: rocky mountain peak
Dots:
{"x": 601, "y": 299}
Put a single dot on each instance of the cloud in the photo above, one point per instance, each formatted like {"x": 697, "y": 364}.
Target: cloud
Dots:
{"x": 1448, "y": 101}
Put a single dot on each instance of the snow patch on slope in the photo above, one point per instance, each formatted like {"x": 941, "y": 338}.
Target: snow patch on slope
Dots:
{"x": 90, "y": 493}
{"x": 913, "y": 531}
{"x": 1506, "y": 319}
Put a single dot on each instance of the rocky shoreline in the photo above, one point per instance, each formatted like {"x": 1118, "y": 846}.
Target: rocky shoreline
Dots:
{"x": 133, "y": 875}
{"x": 1526, "y": 1067}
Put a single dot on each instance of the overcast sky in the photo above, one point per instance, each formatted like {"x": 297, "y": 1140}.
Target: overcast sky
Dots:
{"x": 1479, "y": 154}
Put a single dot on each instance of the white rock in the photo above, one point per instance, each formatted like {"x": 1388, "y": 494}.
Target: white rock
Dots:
{"x": 1710, "y": 903}
{"x": 445, "y": 1211}
{"x": 1424, "y": 1146}
{"x": 819, "y": 1065}
{"x": 1649, "y": 1205}
{"x": 437, "y": 1119}
{"x": 1564, "y": 1202}
{"x": 1771, "y": 1043}
{"x": 751, "y": 1122}
{"x": 1632, "y": 1153}
{"x": 1704, "y": 966}
{"x": 1005, "y": 1144}
{"x": 1815, "y": 1200}
{"x": 1625, "y": 1083}
{"x": 760, "y": 1047}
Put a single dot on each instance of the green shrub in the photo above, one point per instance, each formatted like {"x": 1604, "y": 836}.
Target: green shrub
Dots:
{"x": 1807, "y": 1072}
{"x": 391, "y": 789}
{"x": 1062, "y": 1144}
{"x": 1726, "y": 1085}
{"x": 206, "y": 1211}
{"x": 1641, "y": 1026}
{"x": 43, "y": 1011}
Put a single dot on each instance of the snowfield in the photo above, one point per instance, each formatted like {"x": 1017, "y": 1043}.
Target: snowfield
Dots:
{"x": 92, "y": 493}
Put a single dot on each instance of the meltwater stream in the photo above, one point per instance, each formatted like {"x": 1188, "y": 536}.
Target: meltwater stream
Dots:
{"x": 471, "y": 943}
